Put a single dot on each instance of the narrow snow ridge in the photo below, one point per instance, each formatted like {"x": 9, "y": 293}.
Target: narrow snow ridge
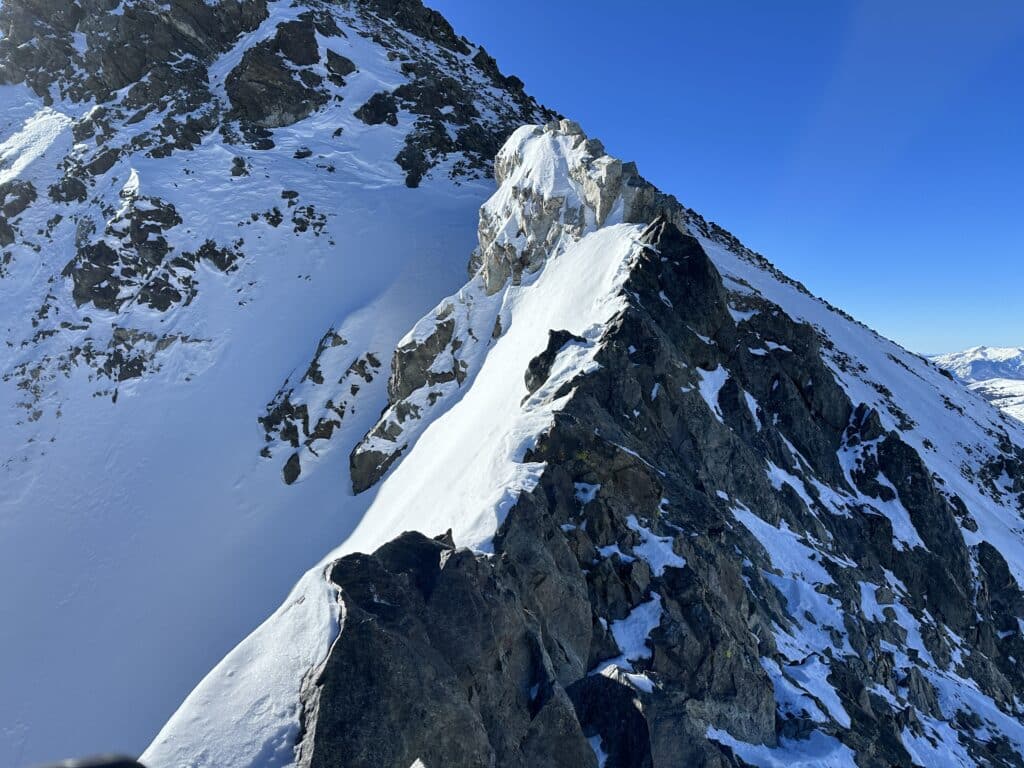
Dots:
{"x": 465, "y": 472}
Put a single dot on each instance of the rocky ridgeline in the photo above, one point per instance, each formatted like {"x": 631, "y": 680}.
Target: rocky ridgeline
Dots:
{"x": 519, "y": 230}
{"x": 517, "y": 234}
{"x": 727, "y": 559}
{"x": 134, "y": 87}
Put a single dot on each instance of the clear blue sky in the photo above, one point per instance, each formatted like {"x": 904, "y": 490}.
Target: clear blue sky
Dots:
{"x": 873, "y": 150}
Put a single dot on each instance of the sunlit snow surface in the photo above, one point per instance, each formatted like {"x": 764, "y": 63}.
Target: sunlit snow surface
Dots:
{"x": 995, "y": 373}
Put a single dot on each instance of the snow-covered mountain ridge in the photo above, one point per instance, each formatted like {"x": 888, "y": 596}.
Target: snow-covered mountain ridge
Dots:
{"x": 698, "y": 532}
{"x": 633, "y": 497}
{"x": 996, "y": 373}
{"x": 981, "y": 363}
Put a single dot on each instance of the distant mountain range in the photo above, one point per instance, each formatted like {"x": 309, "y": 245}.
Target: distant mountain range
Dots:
{"x": 996, "y": 373}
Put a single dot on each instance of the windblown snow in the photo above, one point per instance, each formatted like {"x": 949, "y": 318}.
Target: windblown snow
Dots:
{"x": 138, "y": 511}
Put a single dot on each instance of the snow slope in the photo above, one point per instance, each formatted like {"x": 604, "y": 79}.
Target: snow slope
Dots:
{"x": 463, "y": 473}
{"x": 156, "y": 511}
{"x": 1007, "y": 394}
{"x": 465, "y": 470}
{"x": 136, "y": 508}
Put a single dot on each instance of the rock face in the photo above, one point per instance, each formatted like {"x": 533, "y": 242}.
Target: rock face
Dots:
{"x": 809, "y": 617}
{"x": 722, "y": 524}
{"x": 441, "y": 354}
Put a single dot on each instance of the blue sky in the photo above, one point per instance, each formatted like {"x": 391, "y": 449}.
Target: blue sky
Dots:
{"x": 872, "y": 150}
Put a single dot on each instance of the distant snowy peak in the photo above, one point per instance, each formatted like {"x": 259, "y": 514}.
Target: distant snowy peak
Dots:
{"x": 984, "y": 363}
{"x": 996, "y": 373}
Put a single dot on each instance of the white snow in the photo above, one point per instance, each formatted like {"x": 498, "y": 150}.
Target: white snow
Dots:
{"x": 39, "y": 134}
{"x": 631, "y": 634}
{"x": 741, "y": 316}
{"x": 752, "y": 407}
{"x": 817, "y": 751}
{"x": 711, "y": 383}
{"x": 467, "y": 468}
{"x": 172, "y": 523}
{"x": 812, "y": 676}
{"x": 787, "y": 550}
{"x": 984, "y": 363}
{"x": 151, "y": 525}
{"x": 1007, "y": 394}
{"x": 586, "y": 492}
{"x": 599, "y": 753}
{"x": 945, "y": 416}
{"x": 789, "y": 697}
{"x": 465, "y": 471}
{"x": 656, "y": 550}
{"x": 256, "y": 685}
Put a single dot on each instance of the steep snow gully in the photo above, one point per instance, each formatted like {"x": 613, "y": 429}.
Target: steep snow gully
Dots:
{"x": 628, "y": 496}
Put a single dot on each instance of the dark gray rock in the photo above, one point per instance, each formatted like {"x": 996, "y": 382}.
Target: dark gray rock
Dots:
{"x": 16, "y": 196}
{"x": 340, "y": 66}
{"x": 296, "y": 40}
{"x": 292, "y": 469}
{"x": 666, "y": 465}
{"x": 381, "y": 108}
{"x": 463, "y": 661}
{"x": 266, "y": 93}
{"x": 539, "y": 368}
